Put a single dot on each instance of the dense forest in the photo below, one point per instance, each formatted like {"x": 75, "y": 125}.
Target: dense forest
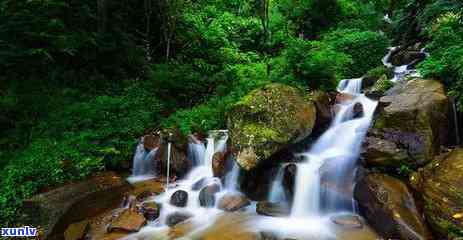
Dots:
{"x": 82, "y": 80}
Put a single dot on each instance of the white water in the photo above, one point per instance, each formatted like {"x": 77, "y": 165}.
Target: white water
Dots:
{"x": 143, "y": 164}
{"x": 336, "y": 152}
{"x": 403, "y": 71}
{"x": 231, "y": 180}
{"x": 277, "y": 191}
{"x": 169, "y": 151}
{"x": 196, "y": 151}
{"x": 203, "y": 171}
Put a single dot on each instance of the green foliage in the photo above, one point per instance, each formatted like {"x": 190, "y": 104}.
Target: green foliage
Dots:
{"x": 82, "y": 138}
{"x": 310, "y": 17}
{"x": 242, "y": 78}
{"x": 446, "y": 53}
{"x": 311, "y": 63}
{"x": 366, "y": 48}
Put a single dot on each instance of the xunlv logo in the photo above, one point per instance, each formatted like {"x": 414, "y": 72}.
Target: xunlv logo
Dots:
{"x": 19, "y": 232}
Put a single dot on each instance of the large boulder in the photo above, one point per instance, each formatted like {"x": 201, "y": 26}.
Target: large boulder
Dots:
{"x": 390, "y": 208}
{"x": 267, "y": 120}
{"x": 440, "y": 184}
{"x": 413, "y": 121}
{"x": 55, "y": 210}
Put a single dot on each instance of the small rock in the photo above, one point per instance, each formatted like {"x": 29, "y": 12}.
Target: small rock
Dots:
{"x": 150, "y": 210}
{"x": 127, "y": 221}
{"x": 233, "y": 202}
{"x": 76, "y": 231}
{"x": 348, "y": 220}
{"x": 207, "y": 195}
{"x": 176, "y": 218}
{"x": 204, "y": 182}
{"x": 358, "y": 110}
{"x": 179, "y": 198}
{"x": 272, "y": 209}
{"x": 219, "y": 164}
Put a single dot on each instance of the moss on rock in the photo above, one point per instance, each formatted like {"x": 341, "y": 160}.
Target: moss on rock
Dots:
{"x": 268, "y": 119}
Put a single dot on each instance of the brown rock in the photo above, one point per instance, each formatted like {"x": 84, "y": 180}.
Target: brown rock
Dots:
{"x": 348, "y": 220}
{"x": 219, "y": 161}
{"x": 273, "y": 209}
{"x": 77, "y": 231}
{"x": 233, "y": 202}
{"x": 389, "y": 207}
{"x": 127, "y": 221}
{"x": 440, "y": 184}
{"x": 55, "y": 210}
{"x": 151, "y": 210}
{"x": 151, "y": 142}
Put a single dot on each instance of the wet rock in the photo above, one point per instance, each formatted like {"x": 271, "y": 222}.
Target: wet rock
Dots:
{"x": 380, "y": 152}
{"x": 233, "y": 202}
{"x": 176, "y": 218}
{"x": 219, "y": 166}
{"x": 379, "y": 88}
{"x": 207, "y": 195}
{"x": 390, "y": 208}
{"x": 323, "y": 103}
{"x": 150, "y": 210}
{"x": 273, "y": 209}
{"x": 268, "y": 120}
{"x": 348, "y": 220}
{"x": 358, "y": 110}
{"x": 53, "y": 211}
{"x": 77, "y": 231}
{"x": 151, "y": 142}
{"x": 343, "y": 97}
{"x": 440, "y": 185}
{"x": 127, "y": 221}
{"x": 179, "y": 163}
{"x": 406, "y": 57}
{"x": 204, "y": 182}
{"x": 289, "y": 180}
{"x": 179, "y": 198}
{"x": 415, "y": 119}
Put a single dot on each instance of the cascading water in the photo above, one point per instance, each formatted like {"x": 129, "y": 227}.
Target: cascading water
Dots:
{"x": 143, "y": 163}
{"x": 196, "y": 150}
{"x": 400, "y": 72}
{"x": 334, "y": 154}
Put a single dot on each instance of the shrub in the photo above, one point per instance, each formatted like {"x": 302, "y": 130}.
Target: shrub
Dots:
{"x": 82, "y": 138}
{"x": 312, "y": 63}
{"x": 446, "y": 53}
{"x": 366, "y": 48}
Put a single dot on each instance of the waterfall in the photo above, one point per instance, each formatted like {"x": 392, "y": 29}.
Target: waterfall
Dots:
{"x": 400, "y": 72}
{"x": 277, "y": 190}
{"x": 231, "y": 180}
{"x": 143, "y": 163}
{"x": 196, "y": 151}
{"x": 334, "y": 155}
{"x": 169, "y": 150}
{"x": 209, "y": 155}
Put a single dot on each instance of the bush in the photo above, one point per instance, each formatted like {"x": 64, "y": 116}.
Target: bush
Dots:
{"x": 311, "y": 63}
{"x": 446, "y": 53}
{"x": 82, "y": 138}
{"x": 241, "y": 79}
{"x": 366, "y": 48}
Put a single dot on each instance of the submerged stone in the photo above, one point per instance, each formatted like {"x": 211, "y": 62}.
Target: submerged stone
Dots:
{"x": 207, "y": 195}
{"x": 273, "y": 209}
{"x": 127, "y": 221}
{"x": 176, "y": 218}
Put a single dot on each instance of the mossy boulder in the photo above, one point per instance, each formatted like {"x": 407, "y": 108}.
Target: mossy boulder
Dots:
{"x": 267, "y": 120}
{"x": 390, "y": 208}
{"x": 414, "y": 120}
{"x": 440, "y": 185}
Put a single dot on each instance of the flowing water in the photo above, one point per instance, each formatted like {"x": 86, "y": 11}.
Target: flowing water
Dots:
{"x": 143, "y": 163}
{"x": 403, "y": 71}
{"x": 333, "y": 155}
